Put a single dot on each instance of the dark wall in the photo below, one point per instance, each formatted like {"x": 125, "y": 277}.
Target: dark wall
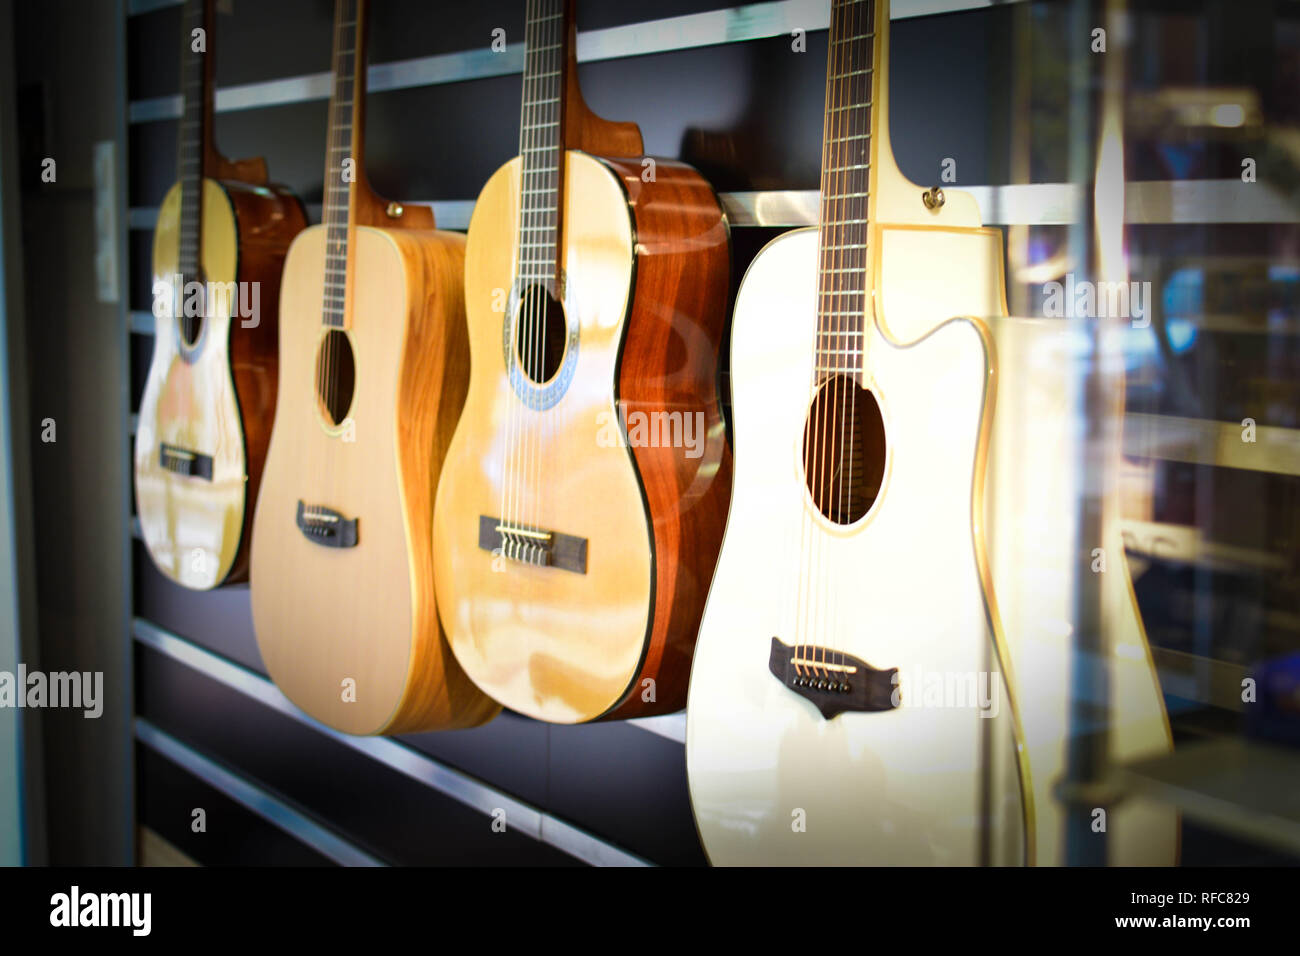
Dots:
{"x": 71, "y": 95}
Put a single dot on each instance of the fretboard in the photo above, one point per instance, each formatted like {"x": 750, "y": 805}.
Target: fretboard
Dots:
{"x": 342, "y": 159}
{"x": 193, "y": 126}
{"x": 541, "y": 140}
{"x": 843, "y": 279}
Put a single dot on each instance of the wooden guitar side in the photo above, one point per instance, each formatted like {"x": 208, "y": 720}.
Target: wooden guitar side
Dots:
{"x": 331, "y": 620}
{"x": 669, "y": 366}
{"x": 218, "y": 400}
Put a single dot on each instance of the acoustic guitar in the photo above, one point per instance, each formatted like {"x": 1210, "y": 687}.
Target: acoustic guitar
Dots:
{"x": 849, "y": 702}
{"x": 581, "y": 505}
{"x": 372, "y": 377}
{"x": 205, "y": 414}
{"x": 882, "y": 669}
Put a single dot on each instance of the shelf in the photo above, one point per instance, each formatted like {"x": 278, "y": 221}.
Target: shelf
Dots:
{"x": 1244, "y": 788}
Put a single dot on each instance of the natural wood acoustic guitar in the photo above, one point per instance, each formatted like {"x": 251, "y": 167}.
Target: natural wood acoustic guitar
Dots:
{"x": 582, "y": 501}
{"x": 205, "y": 415}
{"x": 373, "y": 362}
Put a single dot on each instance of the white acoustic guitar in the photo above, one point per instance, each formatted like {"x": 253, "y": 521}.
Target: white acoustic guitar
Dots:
{"x": 853, "y": 696}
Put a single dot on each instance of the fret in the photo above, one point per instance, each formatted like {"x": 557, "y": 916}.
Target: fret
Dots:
{"x": 190, "y": 132}
{"x": 541, "y": 143}
{"x": 842, "y": 76}
{"x": 846, "y": 367}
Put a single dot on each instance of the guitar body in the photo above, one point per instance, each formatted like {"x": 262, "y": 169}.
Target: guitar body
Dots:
{"x": 362, "y": 618}
{"x": 645, "y": 273}
{"x": 1030, "y": 497}
{"x": 773, "y": 781}
{"x": 215, "y": 399}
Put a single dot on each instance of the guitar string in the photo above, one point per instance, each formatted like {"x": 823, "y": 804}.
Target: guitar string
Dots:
{"x": 552, "y": 149}
{"x": 828, "y": 360}
{"x": 325, "y": 363}
{"x": 509, "y": 320}
{"x": 826, "y": 300}
{"x": 192, "y": 181}
{"x": 528, "y": 300}
{"x": 841, "y": 282}
{"x": 810, "y": 429}
{"x": 178, "y": 296}
{"x": 869, "y": 29}
{"x": 540, "y": 268}
{"x": 332, "y": 181}
{"x": 347, "y": 60}
{"x": 842, "y": 285}
{"x": 342, "y": 140}
{"x": 863, "y": 34}
{"x": 557, "y": 37}
{"x": 537, "y": 270}
{"x": 514, "y": 316}
{"x": 848, "y": 273}
{"x": 532, "y": 219}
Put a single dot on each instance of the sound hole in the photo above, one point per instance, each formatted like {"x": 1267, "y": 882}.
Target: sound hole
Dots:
{"x": 541, "y": 334}
{"x": 335, "y": 376}
{"x": 844, "y": 449}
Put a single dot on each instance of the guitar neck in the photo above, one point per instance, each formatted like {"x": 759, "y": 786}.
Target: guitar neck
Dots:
{"x": 343, "y": 155}
{"x": 854, "y": 103}
{"x": 195, "y": 127}
{"x": 547, "y": 61}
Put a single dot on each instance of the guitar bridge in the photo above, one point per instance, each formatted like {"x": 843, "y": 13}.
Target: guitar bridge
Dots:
{"x": 535, "y": 546}
{"x": 833, "y": 681}
{"x": 325, "y": 526}
{"x": 181, "y": 461}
